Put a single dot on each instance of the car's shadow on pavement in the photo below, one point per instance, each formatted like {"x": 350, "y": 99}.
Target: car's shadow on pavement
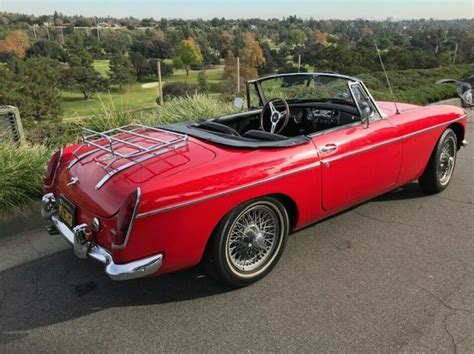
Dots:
{"x": 61, "y": 287}
{"x": 408, "y": 191}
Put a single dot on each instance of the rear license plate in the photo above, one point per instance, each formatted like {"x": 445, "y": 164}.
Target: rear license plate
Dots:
{"x": 67, "y": 212}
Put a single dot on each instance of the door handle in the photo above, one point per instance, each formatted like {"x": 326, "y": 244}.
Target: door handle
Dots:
{"x": 328, "y": 148}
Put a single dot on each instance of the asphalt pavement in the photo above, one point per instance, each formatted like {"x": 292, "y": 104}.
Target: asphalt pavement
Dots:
{"x": 395, "y": 274}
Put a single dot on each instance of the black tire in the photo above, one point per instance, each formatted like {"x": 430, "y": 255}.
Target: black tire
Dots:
{"x": 222, "y": 260}
{"x": 433, "y": 179}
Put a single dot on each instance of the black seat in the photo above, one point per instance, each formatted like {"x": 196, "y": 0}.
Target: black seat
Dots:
{"x": 218, "y": 127}
{"x": 263, "y": 135}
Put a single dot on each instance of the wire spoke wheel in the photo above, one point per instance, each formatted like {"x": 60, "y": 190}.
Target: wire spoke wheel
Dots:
{"x": 253, "y": 237}
{"x": 447, "y": 159}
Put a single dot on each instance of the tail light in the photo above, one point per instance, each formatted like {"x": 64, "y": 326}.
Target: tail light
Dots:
{"x": 52, "y": 169}
{"x": 125, "y": 218}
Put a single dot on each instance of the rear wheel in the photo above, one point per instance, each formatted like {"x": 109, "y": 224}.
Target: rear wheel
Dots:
{"x": 249, "y": 241}
{"x": 439, "y": 170}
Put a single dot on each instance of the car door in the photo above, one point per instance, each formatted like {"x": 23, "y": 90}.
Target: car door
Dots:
{"x": 359, "y": 160}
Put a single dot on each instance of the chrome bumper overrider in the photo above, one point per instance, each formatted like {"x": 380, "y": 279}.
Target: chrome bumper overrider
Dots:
{"x": 78, "y": 238}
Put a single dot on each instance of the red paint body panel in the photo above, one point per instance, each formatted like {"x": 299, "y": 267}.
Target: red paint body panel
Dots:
{"x": 184, "y": 194}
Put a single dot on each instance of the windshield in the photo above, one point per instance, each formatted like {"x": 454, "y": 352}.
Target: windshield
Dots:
{"x": 311, "y": 86}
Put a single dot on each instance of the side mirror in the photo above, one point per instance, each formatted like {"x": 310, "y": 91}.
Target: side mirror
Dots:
{"x": 239, "y": 103}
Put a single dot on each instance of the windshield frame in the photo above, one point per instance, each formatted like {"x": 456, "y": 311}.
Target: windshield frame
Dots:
{"x": 257, "y": 85}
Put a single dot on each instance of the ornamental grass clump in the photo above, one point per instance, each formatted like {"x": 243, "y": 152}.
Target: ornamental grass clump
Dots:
{"x": 21, "y": 172}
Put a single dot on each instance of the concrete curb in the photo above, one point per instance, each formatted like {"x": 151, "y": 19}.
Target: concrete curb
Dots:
{"x": 22, "y": 220}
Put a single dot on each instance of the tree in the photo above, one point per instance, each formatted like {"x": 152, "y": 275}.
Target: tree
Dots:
{"x": 121, "y": 70}
{"x": 116, "y": 42}
{"x": 296, "y": 37}
{"x": 45, "y": 48}
{"x": 15, "y": 43}
{"x": 33, "y": 86}
{"x": 203, "y": 84}
{"x": 189, "y": 54}
{"x": 87, "y": 80}
{"x": 251, "y": 57}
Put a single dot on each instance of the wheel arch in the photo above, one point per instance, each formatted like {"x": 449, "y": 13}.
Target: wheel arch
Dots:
{"x": 288, "y": 203}
{"x": 458, "y": 129}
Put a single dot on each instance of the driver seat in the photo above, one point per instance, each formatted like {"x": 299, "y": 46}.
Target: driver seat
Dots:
{"x": 263, "y": 135}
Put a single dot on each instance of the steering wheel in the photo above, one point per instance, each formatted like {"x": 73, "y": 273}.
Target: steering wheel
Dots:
{"x": 275, "y": 115}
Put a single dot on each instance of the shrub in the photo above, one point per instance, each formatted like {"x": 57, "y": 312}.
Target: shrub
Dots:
{"x": 179, "y": 89}
{"x": 188, "y": 108}
{"x": 21, "y": 172}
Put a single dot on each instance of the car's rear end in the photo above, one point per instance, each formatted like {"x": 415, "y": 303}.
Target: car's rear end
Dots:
{"x": 93, "y": 192}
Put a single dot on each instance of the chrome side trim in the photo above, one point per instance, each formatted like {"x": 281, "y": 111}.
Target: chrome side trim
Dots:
{"x": 284, "y": 174}
{"x": 57, "y": 168}
{"x": 390, "y": 141}
{"x": 364, "y": 149}
{"x": 433, "y": 127}
{"x": 126, "y": 271}
{"x": 232, "y": 190}
{"x": 134, "y": 216}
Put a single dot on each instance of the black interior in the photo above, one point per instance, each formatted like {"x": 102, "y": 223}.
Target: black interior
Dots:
{"x": 305, "y": 118}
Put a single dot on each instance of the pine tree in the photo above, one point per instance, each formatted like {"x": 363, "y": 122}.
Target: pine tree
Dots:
{"x": 122, "y": 71}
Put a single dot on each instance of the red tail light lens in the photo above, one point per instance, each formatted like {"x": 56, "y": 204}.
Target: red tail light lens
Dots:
{"x": 53, "y": 165}
{"x": 125, "y": 217}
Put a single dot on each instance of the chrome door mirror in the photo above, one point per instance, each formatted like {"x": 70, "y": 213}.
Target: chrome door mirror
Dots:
{"x": 239, "y": 103}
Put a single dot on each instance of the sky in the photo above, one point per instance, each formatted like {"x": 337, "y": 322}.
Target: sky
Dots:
{"x": 191, "y": 9}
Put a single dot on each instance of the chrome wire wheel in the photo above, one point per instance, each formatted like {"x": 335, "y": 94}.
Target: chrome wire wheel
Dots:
{"x": 254, "y": 238}
{"x": 447, "y": 160}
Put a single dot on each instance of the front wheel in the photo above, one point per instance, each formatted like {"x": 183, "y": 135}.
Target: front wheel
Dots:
{"x": 249, "y": 241}
{"x": 441, "y": 165}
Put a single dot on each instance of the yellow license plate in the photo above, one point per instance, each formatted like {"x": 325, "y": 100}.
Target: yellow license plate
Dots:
{"x": 67, "y": 211}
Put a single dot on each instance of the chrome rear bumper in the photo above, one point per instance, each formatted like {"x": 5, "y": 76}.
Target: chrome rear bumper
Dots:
{"x": 86, "y": 249}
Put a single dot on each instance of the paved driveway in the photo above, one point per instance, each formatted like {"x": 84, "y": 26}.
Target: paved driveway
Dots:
{"x": 393, "y": 274}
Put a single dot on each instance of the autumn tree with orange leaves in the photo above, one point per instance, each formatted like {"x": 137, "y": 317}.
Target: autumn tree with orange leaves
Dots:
{"x": 251, "y": 58}
{"x": 15, "y": 43}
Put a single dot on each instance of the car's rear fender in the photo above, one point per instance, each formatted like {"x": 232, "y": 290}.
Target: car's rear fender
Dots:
{"x": 182, "y": 233}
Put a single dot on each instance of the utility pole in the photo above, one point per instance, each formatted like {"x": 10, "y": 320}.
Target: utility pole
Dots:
{"x": 455, "y": 53}
{"x": 299, "y": 62}
{"x": 98, "y": 35}
{"x": 47, "y": 30}
{"x": 62, "y": 35}
{"x": 160, "y": 83}
{"x": 238, "y": 74}
{"x": 34, "y": 30}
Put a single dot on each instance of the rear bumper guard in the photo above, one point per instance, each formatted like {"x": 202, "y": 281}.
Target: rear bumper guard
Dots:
{"x": 78, "y": 238}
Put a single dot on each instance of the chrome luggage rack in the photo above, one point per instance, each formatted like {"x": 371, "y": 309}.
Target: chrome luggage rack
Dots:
{"x": 134, "y": 142}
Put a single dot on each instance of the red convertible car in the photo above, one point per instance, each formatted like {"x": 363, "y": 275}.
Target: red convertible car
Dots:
{"x": 226, "y": 192}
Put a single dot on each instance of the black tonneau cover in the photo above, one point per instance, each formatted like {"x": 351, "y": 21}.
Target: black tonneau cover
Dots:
{"x": 190, "y": 129}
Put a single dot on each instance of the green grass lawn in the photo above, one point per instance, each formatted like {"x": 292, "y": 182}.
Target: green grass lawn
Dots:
{"x": 134, "y": 97}
{"x": 102, "y": 66}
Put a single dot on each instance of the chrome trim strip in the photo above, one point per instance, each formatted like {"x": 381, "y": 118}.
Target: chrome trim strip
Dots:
{"x": 303, "y": 74}
{"x": 232, "y": 190}
{"x": 433, "y": 127}
{"x": 284, "y": 174}
{"x": 390, "y": 141}
{"x": 126, "y": 271}
{"x": 56, "y": 169}
{"x": 364, "y": 149}
{"x": 132, "y": 221}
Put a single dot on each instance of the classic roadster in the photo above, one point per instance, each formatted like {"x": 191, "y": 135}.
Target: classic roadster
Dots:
{"x": 226, "y": 192}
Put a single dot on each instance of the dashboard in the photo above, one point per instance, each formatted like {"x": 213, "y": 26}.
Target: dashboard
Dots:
{"x": 308, "y": 120}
